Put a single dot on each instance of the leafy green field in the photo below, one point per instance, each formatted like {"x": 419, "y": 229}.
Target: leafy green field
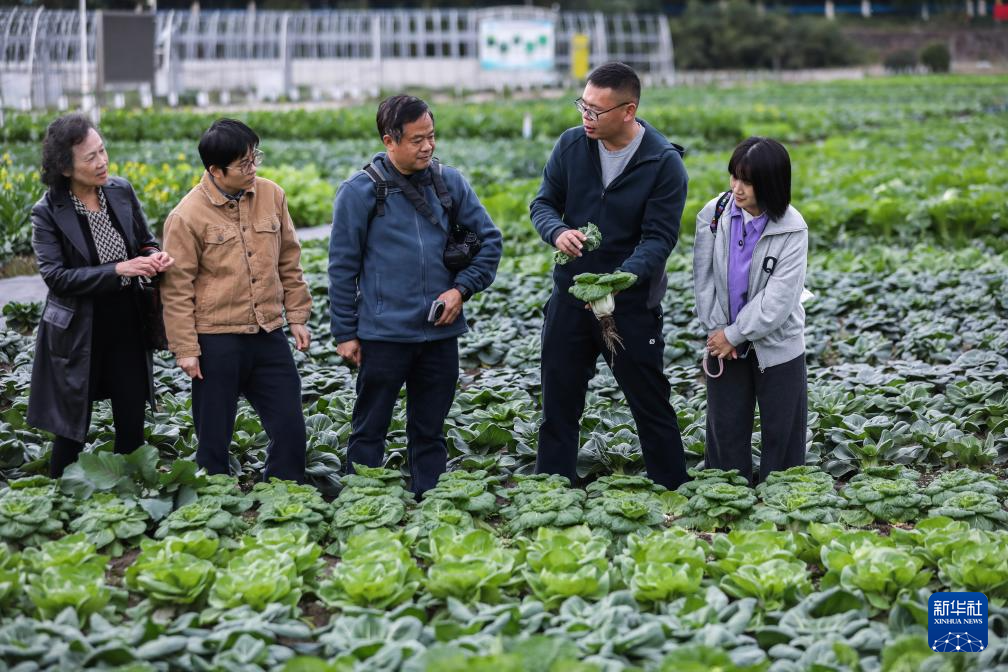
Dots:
{"x": 139, "y": 563}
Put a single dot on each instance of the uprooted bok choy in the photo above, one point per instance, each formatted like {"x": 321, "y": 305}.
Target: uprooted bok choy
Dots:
{"x": 598, "y": 291}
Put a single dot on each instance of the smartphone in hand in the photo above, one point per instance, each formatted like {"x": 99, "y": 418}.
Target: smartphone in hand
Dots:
{"x": 436, "y": 309}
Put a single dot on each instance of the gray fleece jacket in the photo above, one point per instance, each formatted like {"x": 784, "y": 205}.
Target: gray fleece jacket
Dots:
{"x": 773, "y": 318}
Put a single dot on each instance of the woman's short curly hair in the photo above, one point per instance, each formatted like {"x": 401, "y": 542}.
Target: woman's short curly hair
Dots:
{"x": 57, "y": 147}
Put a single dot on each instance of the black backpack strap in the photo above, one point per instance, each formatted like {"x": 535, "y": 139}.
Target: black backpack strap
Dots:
{"x": 719, "y": 210}
{"x": 415, "y": 196}
{"x": 447, "y": 202}
{"x": 377, "y": 176}
{"x": 439, "y": 185}
{"x": 382, "y": 179}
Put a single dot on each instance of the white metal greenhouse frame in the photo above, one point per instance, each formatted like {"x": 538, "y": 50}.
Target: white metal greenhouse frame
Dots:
{"x": 323, "y": 54}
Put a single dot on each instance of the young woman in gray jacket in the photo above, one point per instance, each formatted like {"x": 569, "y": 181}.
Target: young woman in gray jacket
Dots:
{"x": 749, "y": 266}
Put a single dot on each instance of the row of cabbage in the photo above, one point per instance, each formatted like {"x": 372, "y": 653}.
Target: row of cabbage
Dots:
{"x": 618, "y": 571}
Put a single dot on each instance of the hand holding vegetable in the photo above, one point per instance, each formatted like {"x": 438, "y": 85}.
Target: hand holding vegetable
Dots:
{"x": 598, "y": 291}
{"x": 572, "y": 242}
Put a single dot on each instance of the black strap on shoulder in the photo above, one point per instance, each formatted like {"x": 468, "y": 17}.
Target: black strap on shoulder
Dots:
{"x": 439, "y": 185}
{"x": 447, "y": 202}
{"x": 412, "y": 193}
{"x": 719, "y": 210}
{"x": 377, "y": 175}
{"x": 415, "y": 197}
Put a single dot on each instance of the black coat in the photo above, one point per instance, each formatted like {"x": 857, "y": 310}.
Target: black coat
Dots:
{"x": 638, "y": 213}
{"x": 59, "y": 401}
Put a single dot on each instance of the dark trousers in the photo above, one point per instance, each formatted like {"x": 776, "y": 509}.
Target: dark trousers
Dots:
{"x": 430, "y": 371}
{"x": 118, "y": 373}
{"x": 571, "y": 343}
{"x": 782, "y": 394}
{"x": 260, "y": 368}
{"x": 129, "y": 399}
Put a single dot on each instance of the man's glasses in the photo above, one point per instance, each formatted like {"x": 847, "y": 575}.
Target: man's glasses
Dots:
{"x": 592, "y": 114}
{"x": 246, "y": 165}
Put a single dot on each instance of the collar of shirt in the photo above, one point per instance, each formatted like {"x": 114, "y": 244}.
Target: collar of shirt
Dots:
{"x": 83, "y": 209}
{"x": 750, "y": 225}
{"x": 230, "y": 197}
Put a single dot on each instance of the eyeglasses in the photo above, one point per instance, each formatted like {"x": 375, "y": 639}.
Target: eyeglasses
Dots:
{"x": 245, "y": 166}
{"x": 592, "y": 114}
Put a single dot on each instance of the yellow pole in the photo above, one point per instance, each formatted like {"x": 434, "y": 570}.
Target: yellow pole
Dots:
{"x": 579, "y": 56}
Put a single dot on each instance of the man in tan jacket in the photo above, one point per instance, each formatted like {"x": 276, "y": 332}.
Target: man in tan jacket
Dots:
{"x": 237, "y": 275}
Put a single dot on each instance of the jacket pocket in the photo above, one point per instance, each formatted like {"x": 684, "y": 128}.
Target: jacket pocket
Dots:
{"x": 58, "y": 335}
{"x": 378, "y": 294}
{"x": 267, "y": 224}
{"x": 223, "y": 261}
{"x": 266, "y": 241}
{"x": 219, "y": 235}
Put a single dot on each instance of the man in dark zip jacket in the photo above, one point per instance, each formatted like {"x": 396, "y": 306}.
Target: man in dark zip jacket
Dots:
{"x": 620, "y": 173}
{"x": 395, "y": 307}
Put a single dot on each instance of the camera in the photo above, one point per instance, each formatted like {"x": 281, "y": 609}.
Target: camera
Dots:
{"x": 462, "y": 247}
{"x": 436, "y": 309}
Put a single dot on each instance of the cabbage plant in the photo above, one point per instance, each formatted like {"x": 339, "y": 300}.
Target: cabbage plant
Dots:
{"x": 81, "y": 587}
{"x": 65, "y": 573}
{"x": 167, "y": 576}
{"x": 702, "y": 479}
{"x": 661, "y": 566}
{"x": 372, "y": 477}
{"x": 622, "y": 512}
{"x": 285, "y": 511}
{"x": 753, "y": 547}
{"x": 432, "y": 513}
{"x": 256, "y": 578}
{"x": 950, "y": 483}
{"x": 883, "y": 573}
{"x": 718, "y": 505}
{"x": 794, "y": 506}
{"x": 775, "y": 583}
{"x": 28, "y": 519}
{"x": 375, "y": 571}
{"x": 111, "y": 523}
{"x": 555, "y": 507}
{"x": 980, "y": 567}
{"x": 225, "y": 489}
{"x": 351, "y": 518}
{"x": 293, "y": 541}
{"x": 979, "y": 509}
{"x": 566, "y": 563}
{"x": 472, "y": 491}
{"x": 10, "y": 576}
{"x": 471, "y": 566}
{"x": 624, "y": 483}
{"x": 206, "y": 514}
{"x": 874, "y": 498}
{"x": 936, "y": 538}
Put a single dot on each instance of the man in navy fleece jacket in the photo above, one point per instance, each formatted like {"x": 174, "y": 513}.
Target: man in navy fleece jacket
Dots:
{"x": 619, "y": 172}
{"x": 386, "y": 269}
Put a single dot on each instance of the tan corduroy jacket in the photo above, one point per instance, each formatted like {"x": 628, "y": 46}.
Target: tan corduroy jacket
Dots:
{"x": 237, "y": 265}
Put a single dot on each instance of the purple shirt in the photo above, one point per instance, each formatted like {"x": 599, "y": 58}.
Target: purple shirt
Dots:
{"x": 743, "y": 241}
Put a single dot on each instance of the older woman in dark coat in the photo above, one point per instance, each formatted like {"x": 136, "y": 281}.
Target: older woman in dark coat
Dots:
{"x": 93, "y": 246}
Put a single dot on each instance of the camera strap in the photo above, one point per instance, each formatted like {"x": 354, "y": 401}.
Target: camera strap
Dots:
{"x": 381, "y": 179}
{"x": 450, "y": 206}
{"x": 415, "y": 197}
